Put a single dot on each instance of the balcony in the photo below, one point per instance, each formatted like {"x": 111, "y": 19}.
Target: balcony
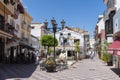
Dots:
{"x": 11, "y": 27}
{"x": 24, "y": 25}
{"x": 25, "y": 40}
{"x": 20, "y": 8}
{"x": 7, "y": 7}
{"x": 16, "y": 13}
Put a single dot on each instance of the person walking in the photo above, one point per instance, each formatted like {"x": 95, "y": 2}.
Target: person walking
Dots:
{"x": 92, "y": 55}
{"x": 37, "y": 55}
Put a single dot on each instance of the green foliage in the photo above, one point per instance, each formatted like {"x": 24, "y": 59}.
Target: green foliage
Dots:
{"x": 106, "y": 56}
{"x": 77, "y": 47}
{"x": 50, "y": 50}
{"x": 99, "y": 48}
{"x": 50, "y": 62}
{"x": 48, "y": 40}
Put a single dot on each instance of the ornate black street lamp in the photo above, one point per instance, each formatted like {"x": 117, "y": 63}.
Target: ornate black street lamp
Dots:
{"x": 54, "y": 24}
{"x": 46, "y": 24}
{"x": 54, "y": 28}
{"x": 62, "y": 24}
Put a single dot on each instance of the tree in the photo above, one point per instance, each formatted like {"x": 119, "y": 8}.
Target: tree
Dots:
{"x": 77, "y": 48}
{"x": 48, "y": 40}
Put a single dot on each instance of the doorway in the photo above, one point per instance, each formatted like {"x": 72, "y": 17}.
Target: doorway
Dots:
{"x": 1, "y": 50}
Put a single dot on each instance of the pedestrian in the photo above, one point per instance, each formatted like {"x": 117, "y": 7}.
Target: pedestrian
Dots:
{"x": 33, "y": 57}
{"x": 88, "y": 54}
{"x": 62, "y": 56}
{"x": 92, "y": 55}
{"x": 37, "y": 55}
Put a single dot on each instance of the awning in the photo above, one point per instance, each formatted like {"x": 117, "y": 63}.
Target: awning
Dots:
{"x": 115, "y": 45}
{"x": 114, "y": 48}
{"x": 26, "y": 46}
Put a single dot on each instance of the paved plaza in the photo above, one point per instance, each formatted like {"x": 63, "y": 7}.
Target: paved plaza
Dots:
{"x": 86, "y": 69}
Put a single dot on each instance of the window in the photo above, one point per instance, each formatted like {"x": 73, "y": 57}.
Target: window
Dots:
{"x": 12, "y": 22}
{"x": 65, "y": 41}
{"x": 61, "y": 34}
{"x": 1, "y": 22}
{"x": 17, "y": 27}
{"x": 23, "y": 35}
{"x": 69, "y": 34}
{"x": 76, "y": 40}
{"x": 32, "y": 27}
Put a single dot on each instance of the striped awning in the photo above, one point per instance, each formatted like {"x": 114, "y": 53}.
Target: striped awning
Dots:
{"x": 114, "y": 48}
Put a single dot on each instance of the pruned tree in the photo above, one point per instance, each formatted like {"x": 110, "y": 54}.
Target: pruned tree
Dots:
{"x": 77, "y": 48}
{"x": 48, "y": 40}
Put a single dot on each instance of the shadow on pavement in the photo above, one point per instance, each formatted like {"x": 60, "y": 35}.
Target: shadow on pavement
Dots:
{"x": 116, "y": 70}
{"x": 8, "y": 71}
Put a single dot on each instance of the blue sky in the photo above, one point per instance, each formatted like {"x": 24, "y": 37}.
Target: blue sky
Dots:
{"x": 78, "y": 13}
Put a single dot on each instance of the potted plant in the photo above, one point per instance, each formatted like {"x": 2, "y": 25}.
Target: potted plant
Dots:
{"x": 107, "y": 57}
{"x": 50, "y": 64}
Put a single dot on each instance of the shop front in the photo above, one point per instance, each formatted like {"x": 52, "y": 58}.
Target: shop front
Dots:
{"x": 114, "y": 49}
{"x": 3, "y": 40}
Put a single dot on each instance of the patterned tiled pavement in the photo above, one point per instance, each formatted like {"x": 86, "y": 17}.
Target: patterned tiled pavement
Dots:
{"x": 82, "y": 70}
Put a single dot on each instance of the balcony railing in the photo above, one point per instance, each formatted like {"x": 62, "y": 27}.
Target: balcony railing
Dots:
{"x": 20, "y": 8}
{"x": 25, "y": 40}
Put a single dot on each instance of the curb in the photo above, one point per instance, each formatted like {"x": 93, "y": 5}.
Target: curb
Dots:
{"x": 73, "y": 63}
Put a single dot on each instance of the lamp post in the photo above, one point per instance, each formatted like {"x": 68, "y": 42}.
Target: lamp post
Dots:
{"x": 62, "y": 24}
{"x": 54, "y": 28}
{"x": 54, "y": 24}
{"x": 46, "y": 24}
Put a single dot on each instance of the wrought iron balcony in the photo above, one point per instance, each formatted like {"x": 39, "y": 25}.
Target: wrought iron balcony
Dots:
{"x": 24, "y": 39}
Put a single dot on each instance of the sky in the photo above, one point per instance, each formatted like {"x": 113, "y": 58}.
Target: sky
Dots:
{"x": 82, "y": 14}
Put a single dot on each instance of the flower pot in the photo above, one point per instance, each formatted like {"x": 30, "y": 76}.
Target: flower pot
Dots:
{"x": 110, "y": 63}
{"x": 50, "y": 69}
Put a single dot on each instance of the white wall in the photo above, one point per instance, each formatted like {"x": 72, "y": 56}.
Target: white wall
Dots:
{"x": 35, "y": 43}
{"x": 100, "y": 24}
{"x": 17, "y": 22}
{"x": 37, "y": 29}
{"x": 92, "y": 42}
{"x": 74, "y": 35}
{"x": 116, "y": 22}
{"x": 117, "y": 4}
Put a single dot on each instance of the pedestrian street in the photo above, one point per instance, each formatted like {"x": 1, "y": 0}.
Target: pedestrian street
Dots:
{"x": 85, "y": 69}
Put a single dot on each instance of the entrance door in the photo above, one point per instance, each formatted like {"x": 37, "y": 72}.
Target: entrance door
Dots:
{"x": 1, "y": 50}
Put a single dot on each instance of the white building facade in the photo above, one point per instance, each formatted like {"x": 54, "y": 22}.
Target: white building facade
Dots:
{"x": 112, "y": 24}
{"x": 34, "y": 42}
{"x": 67, "y": 39}
{"x": 116, "y": 29}
{"x": 92, "y": 43}
{"x": 100, "y": 24}
{"x": 37, "y": 30}
{"x": 116, "y": 22}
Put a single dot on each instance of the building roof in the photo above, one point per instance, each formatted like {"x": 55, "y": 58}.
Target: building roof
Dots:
{"x": 80, "y": 30}
{"x": 36, "y": 23}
